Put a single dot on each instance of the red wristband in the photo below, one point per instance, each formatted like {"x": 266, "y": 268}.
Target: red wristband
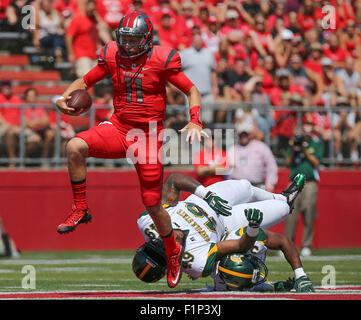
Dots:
{"x": 194, "y": 114}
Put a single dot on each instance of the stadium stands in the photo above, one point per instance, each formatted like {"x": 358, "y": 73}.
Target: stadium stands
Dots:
{"x": 277, "y": 41}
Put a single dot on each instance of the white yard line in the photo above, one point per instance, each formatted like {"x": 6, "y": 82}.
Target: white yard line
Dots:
{"x": 65, "y": 261}
{"x": 100, "y": 260}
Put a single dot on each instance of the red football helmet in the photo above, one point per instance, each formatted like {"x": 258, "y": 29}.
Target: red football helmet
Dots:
{"x": 134, "y": 35}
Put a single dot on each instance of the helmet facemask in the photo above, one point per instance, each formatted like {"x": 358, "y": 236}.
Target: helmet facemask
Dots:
{"x": 134, "y": 41}
{"x": 150, "y": 261}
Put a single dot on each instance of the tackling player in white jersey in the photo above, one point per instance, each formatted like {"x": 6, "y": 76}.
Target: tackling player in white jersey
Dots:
{"x": 203, "y": 224}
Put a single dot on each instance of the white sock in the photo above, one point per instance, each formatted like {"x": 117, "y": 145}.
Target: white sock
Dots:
{"x": 299, "y": 272}
{"x": 260, "y": 195}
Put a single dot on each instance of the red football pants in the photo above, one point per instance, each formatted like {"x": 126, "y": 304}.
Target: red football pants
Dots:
{"x": 141, "y": 145}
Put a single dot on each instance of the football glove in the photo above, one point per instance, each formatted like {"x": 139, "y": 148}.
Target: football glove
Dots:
{"x": 284, "y": 286}
{"x": 304, "y": 284}
{"x": 254, "y": 217}
{"x": 218, "y": 204}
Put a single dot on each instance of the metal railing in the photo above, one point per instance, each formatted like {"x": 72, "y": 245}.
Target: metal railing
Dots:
{"x": 58, "y": 159}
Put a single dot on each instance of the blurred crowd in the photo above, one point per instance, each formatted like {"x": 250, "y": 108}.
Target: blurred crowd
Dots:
{"x": 281, "y": 53}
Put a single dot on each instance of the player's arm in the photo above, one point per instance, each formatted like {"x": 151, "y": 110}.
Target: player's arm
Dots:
{"x": 177, "y": 182}
{"x": 194, "y": 127}
{"x": 176, "y": 77}
{"x": 96, "y": 74}
{"x": 61, "y": 102}
{"x": 174, "y": 184}
{"x": 276, "y": 241}
{"x": 246, "y": 242}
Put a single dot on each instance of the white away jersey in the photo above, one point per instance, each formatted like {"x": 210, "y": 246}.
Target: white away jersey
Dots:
{"x": 200, "y": 228}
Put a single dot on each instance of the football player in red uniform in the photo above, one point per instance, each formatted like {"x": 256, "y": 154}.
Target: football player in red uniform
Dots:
{"x": 139, "y": 73}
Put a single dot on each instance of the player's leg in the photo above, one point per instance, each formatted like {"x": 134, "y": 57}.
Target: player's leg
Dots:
{"x": 151, "y": 179}
{"x": 174, "y": 251}
{"x": 289, "y": 194}
{"x": 274, "y": 212}
{"x": 101, "y": 141}
{"x": 261, "y": 195}
{"x": 241, "y": 191}
{"x": 234, "y": 191}
{"x": 77, "y": 152}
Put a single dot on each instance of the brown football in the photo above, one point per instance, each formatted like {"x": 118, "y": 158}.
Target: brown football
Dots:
{"x": 80, "y": 100}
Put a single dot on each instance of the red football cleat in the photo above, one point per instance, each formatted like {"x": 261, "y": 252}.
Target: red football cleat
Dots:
{"x": 76, "y": 217}
{"x": 174, "y": 267}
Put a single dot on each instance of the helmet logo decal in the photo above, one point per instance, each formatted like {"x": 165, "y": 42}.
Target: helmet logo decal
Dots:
{"x": 236, "y": 259}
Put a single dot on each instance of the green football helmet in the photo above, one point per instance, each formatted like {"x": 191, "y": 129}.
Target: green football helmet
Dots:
{"x": 242, "y": 271}
{"x": 150, "y": 261}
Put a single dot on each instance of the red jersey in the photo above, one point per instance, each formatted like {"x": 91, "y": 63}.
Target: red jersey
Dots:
{"x": 11, "y": 115}
{"x": 66, "y": 9}
{"x": 169, "y": 37}
{"x": 85, "y": 35}
{"x": 315, "y": 66}
{"x": 276, "y": 94}
{"x": 139, "y": 94}
{"x": 3, "y": 5}
{"x": 338, "y": 55}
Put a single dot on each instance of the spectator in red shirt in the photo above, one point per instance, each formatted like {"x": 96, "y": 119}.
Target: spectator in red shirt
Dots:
{"x": 313, "y": 62}
{"x": 306, "y": 15}
{"x": 37, "y": 119}
{"x": 282, "y": 48}
{"x": 335, "y": 52}
{"x": 168, "y": 34}
{"x": 146, "y": 7}
{"x": 344, "y": 12}
{"x": 10, "y": 127}
{"x": 286, "y": 121}
{"x": 111, "y": 11}
{"x": 250, "y": 52}
{"x": 232, "y": 27}
{"x": 279, "y": 12}
{"x": 261, "y": 36}
{"x": 186, "y": 21}
{"x": 332, "y": 83}
{"x": 159, "y": 8}
{"x": 283, "y": 85}
{"x": 82, "y": 39}
{"x": 225, "y": 51}
{"x": 210, "y": 164}
{"x": 203, "y": 13}
{"x": 267, "y": 70}
{"x": 66, "y": 9}
{"x": 3, "y": 17}
{"x": 350, "y": 39}
{"x": 10, "y": 115}
{"x": 322, "y": 123}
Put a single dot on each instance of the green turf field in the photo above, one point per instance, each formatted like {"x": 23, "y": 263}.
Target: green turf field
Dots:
{"x": 111, "y": 270}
